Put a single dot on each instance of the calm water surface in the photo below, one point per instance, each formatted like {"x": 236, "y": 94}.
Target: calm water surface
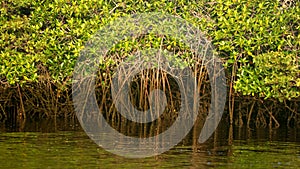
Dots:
{"x": 72, "y": 148}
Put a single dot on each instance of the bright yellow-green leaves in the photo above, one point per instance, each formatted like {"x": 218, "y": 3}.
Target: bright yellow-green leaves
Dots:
{"x": 260, "y": 37}
{"x": 276, "y": 74}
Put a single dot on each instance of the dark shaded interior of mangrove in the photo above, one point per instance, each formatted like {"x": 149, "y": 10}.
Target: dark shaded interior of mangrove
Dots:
{"x": 43, "y": 101}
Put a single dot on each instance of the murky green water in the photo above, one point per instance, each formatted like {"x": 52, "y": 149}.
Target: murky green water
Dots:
{"x": 73, "y": 149}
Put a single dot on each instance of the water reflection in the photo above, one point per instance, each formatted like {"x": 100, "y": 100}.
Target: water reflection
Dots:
{"x": 67, "y": 146}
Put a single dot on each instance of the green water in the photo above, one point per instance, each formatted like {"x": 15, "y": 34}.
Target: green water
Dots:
{"x": 73, "y": 149}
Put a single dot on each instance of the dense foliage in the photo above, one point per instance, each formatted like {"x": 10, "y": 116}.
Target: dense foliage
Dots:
{"x": 259, "y": 40}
